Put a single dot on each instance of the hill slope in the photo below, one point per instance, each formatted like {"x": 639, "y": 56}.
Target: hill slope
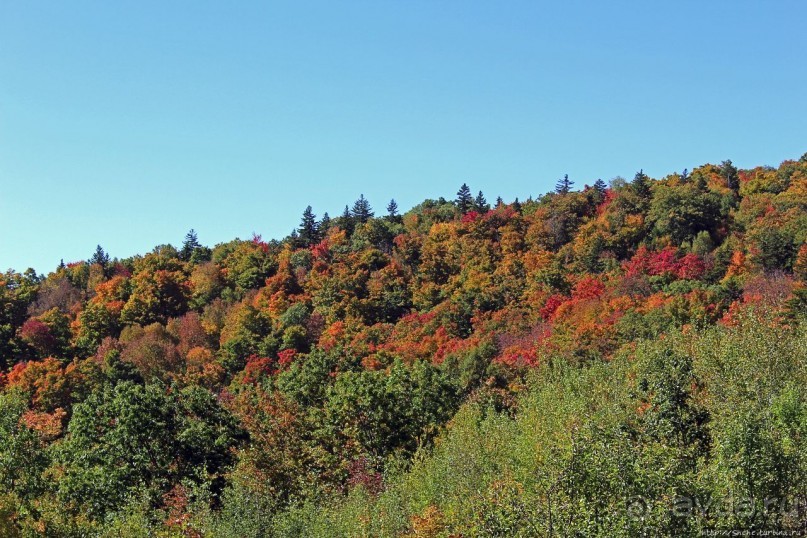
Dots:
{"x": 177, "y": 389}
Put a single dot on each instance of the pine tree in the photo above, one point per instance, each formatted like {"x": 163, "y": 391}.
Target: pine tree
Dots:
{"x": 61, "y": 264}
{"x": 600, "y": 186}
{"x": 464, "y": 199}
{"x": 362, "y": 211}
{"x": 480, "y": 204}
{"x": 308, "y": 230}
{"x": 392, "y": 209}
{"x": 499, "y": 201}
{"x": 517, "y": 206}
{"x": 189, "y": 245}
{"x": 685, "y": 176}
{"x": 564, "y": 186}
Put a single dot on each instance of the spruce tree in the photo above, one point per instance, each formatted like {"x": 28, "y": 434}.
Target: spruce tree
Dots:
{"x": 392, "y": 209}
{"x": 324, "y": 224}
{"x": 641, "y": 184}
{"x": 346, "y": 221}
{"x": 480, "y": 204}
{"x": 464, "y": 199}
{"x": 499, "y": 201}
{"x": 362, "y": 212}
{"x": 189, "y": 245}
{"x": 308, "y": 231}
{"x": 100, "y": 257}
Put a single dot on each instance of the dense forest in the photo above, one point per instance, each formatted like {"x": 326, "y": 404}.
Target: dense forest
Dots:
{"x": 615, "y": 359}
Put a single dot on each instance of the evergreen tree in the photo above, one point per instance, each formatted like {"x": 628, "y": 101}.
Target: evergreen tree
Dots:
{"x": 641, "y": 184}
{"x": 362, "y": 212}
{"x": 731, "y": 174}
{"x": 346, "y": 221}
{"x": 600, "y": 186}
{"x": 517, "y": 206}
{"x": 685, "y": 176}
{"x": 189, "y": 245}
{"x": 308, "y": 231}
{"x": 61, "y": 264}
{"x": 480, "y": 204}
{"x": 464, "y": 199}
{"x": 324, "y": 224}
{"x": 564, "y": 186}
{"x": 392, "y": 209}
{"x": 499, "y": 201}
{"x": 100, "y": 257}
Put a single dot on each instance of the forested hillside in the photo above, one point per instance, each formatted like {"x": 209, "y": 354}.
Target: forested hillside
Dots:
{"x": 579, "y": 362}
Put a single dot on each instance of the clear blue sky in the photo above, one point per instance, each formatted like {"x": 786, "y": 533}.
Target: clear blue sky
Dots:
{"x": 128, "y": 123}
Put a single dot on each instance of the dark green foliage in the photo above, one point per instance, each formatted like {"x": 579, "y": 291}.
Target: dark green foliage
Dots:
{"x": 731, "y": 174}
{"x": 22, "y": 455}
{"x": 564, "y": 186}
{"x": 480, "y": 203}
{"x": 472, "y": 368}
{"x": 668, "y": 440}
{"x": 307, "y": 381}
{"x": 308, "y": 232}
{"x": 600, "y": 186}
{"x": 641, "y": 184}
{"x": 346, "y": 221}
{"x": 682, "y": 212}
{"x": 324, "y": 224}
{"x": 100, "y": 257}
{"x": 140, "y": 440}
{"x": 775, "y": 249}
{"x": 465, "y": 199}
{"x": 392, "y": 210}
{"x": 379, "y": 413}
{"x": 17, "y": 292}
{"x": 672, "y": 415}
{"x": 361, "y": 211}
{"x": 189, "y": 245}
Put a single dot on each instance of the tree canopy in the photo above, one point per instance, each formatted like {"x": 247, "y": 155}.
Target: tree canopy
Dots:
{"x": 452, "y": 369}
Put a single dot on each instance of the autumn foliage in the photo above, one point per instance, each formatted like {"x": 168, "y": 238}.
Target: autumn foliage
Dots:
{"x": 302, "y": 343}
